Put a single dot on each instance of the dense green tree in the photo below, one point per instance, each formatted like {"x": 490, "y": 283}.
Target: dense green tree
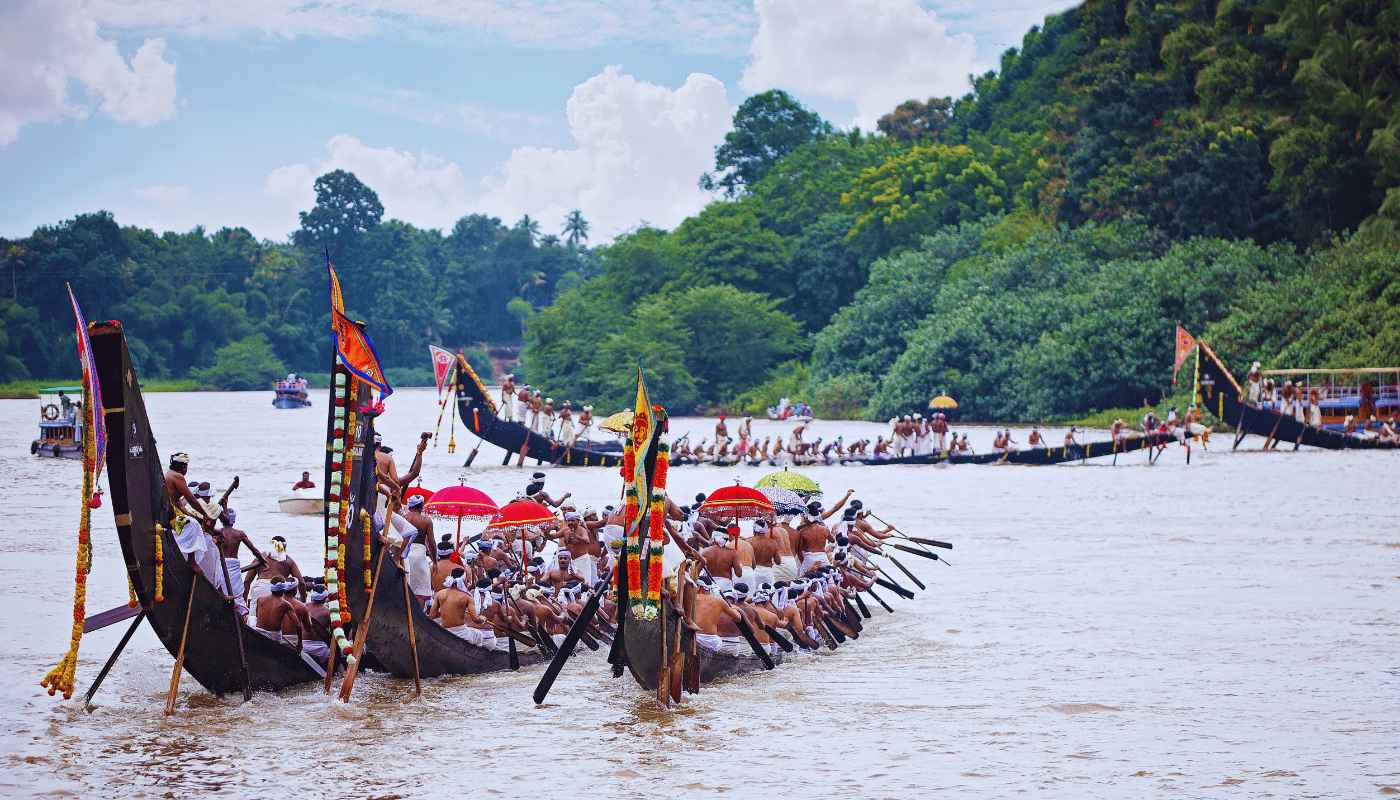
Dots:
{"x": 914, "y": 120}
{"x": 345, "y": 209}
{"x": 767, "y": 127}
{"x": 725, "y": 243}
{"x": 247, "y": 363}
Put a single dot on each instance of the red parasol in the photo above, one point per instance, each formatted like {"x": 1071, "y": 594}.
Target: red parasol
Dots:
{"x": 417, "y": 491}
{"x": 737, "y": 502}
{"x": 460, "y": 502}
{"x": 521, "y": 514}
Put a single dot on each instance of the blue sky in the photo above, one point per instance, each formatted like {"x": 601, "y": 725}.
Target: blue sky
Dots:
{"x": 173, "y": 113}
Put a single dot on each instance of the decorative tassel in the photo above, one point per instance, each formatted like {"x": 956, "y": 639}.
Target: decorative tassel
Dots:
{"x": 160, "y": 563}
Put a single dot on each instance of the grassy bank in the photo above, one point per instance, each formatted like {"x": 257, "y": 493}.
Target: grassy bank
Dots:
{"x": 29, "y": 389}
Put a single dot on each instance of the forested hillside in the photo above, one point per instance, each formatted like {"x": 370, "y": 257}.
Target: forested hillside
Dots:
{"x": 237, "y": 312}
{"x": 1029, "y": 247}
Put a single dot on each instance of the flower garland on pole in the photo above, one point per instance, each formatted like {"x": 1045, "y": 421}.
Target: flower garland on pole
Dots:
{"x": 61, "y": 677}
{"x": 656, "y": 529}
{"x": 160, "y": 563}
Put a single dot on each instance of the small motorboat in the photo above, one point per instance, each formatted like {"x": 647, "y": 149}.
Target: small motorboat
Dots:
{"x": 60, "y": 423}
{"x": 302, "y": 501}
{"x": 291, "y": 393}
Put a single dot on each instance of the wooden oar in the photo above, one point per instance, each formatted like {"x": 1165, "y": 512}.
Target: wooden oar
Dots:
{"x": 112, "y": 659}
{"x": 238, "y": 623}
{"x": 906, "y": 571}
{"x": 362, "y": 631}
{"x": 865, "y": 612}
{"x": 566, "y": 648}
{"x": 929, "y": 542}
{"x": 912, "y": 551}
{"x": 871, "y": 591}
{"x": 123, "y": 612}
{"x": 778, "y": 637}
{"x": 408, "y": 601}
{"x": 893, "y": 586}
{"x": 180, "y": 655}
{"x": 758, "y": 649}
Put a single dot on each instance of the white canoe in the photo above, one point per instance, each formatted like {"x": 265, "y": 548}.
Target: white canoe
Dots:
{"x": 298, "y": 503}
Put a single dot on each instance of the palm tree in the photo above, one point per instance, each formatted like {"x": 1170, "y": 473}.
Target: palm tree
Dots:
{"x": 530, "y": 226}
{"x": 575, "y": 228}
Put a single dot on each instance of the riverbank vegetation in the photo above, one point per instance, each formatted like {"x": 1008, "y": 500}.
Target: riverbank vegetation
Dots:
{"x": 1028, "y": 248}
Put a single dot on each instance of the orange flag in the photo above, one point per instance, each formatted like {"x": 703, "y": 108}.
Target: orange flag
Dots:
{"x": 1185, "y": 343}
{"x": 442, "y": 364}
{"x": 352, "y": 344}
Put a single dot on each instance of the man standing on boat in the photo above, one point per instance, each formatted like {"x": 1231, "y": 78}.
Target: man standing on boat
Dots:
{"x": 508, "y": 398}
{"x": 230, "y": 539}
{"x": 275, "y": 565}
{"x": 417, "y": 561}
{"x": 191, "y": 520}
{"x": 585, "y": 421}
{"x": 1255, "y": 384}
{"x": 721, "y": 434}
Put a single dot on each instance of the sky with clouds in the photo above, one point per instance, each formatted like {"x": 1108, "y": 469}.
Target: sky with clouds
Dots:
{"x": 177, "y": 113}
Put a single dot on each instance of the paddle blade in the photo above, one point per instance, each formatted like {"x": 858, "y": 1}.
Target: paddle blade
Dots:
{"x": 758, "y": 648}
{"x": 906, "y": 571}
{"x": 567, "y": 648}
{"x": 896, "y": 588}
{"x": 912, "y": 551}
{"x": 931, "y": 542}
{"x": 778, "y": 637}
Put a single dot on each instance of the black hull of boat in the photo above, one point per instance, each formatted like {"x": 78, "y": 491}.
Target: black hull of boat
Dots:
{"x": 478, "y": 413}
{"x": 1224, "y": 397}
{"x": 1037, "y": 456}
{"x": 137, "y": 496}
{"x": 642, "y": 640}
{"x": 439, "y": 651}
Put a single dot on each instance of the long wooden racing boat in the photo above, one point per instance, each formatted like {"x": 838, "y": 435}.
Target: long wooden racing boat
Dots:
{"x": 440, "y": 652}
{"x": 1030, "y": 456}
{"x": 478, "y": 412}
{"x": 1223, "y": 396}
{"x": 139, "y": 502}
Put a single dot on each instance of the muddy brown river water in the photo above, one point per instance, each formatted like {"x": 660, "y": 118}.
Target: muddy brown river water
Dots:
{"x": 1229, "y": 628}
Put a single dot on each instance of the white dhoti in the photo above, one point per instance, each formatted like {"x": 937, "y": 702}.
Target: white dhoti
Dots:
{"x": 586, "y": 567}
{"x": 317, "y": 649}
{"x": 810, "y": 560}
{"x": 420, "y": 570}
{"x": 709, "y": 641}
{"x": 508, "y": 409}
{"x": 762, "y": 575}
{"x": 235, "y": 587}
{"x": 477, "y": 636}
{"x": 724, "y": 584}
{"x": 786, "y": 568}
{"x": 566, "y": 431}
{"x": 736, "y": 646}
{"x": 261, "y": 588}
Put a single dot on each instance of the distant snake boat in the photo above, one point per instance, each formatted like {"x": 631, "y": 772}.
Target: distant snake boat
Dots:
{"x": 136, "y": 478}
{"x": 387, "y": 642}
{"x": 479, "y": 413}
{"x": 1223, "y": 396}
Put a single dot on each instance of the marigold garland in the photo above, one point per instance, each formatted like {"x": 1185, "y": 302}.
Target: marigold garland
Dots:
{"x": 131, "y": 600}
{"x": 369, "y": 578}
{"x": 160, "y": 563}
{"x": 61, "y": 677}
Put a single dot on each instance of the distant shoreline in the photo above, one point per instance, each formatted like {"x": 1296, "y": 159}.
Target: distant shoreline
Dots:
{"x": 29, "y": 389}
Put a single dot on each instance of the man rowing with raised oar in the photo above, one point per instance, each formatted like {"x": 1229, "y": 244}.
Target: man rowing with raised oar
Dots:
{"x": 192, "y": 523}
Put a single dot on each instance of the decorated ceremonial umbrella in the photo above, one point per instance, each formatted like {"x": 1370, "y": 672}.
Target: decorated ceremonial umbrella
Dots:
{"x": 943, "y": 403}
{"x": 804, "y": 486}
{"x": 417, "y": 491}
{"x": 785, "y": 501}
{"x": 736, "y": 502}
{"x": 618, "y": 423}
{"x": 462, "y": 502}
{"x": 520, "y": 515}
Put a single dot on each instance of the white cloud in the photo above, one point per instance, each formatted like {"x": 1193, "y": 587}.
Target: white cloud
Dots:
{"x": 47, "y": 47}
{"x": 163, "y": 194}
{"x": 638, "y": 150}
{"x": 872, "y": 53}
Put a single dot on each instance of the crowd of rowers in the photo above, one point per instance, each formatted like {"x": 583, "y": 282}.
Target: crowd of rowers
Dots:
{"x": 794, "y": 574}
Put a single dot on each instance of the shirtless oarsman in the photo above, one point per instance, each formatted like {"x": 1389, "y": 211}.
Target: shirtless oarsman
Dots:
{"x": 720, "y": 561}
{"x": 229, "y": 540}
{"x": 454, "y": 608}
{"x": 276, "y": 566}
{"x": 193, "y": 525}
{"x": 418, "y": 561}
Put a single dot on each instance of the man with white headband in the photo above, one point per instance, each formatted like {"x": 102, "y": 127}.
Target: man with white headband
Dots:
{"x": 454, "y": 608}
{"x": 319, "y": 636}
{"x": 579, "y": 541}
{"x": 192, "y": 521}
{"x": 782, "y": 535}
{"x": 447, "y": 560}
{"x": 387, "y": 471}
{"x": 721, "y": 561}
{"x": 275, "y": 616}
{"x": 716, "y": 628}
{"x": 276, "y": 566}
{"x": 765, "y": 552}
{"x": 416, "y": 560}
{"x": 230, "y": 539}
